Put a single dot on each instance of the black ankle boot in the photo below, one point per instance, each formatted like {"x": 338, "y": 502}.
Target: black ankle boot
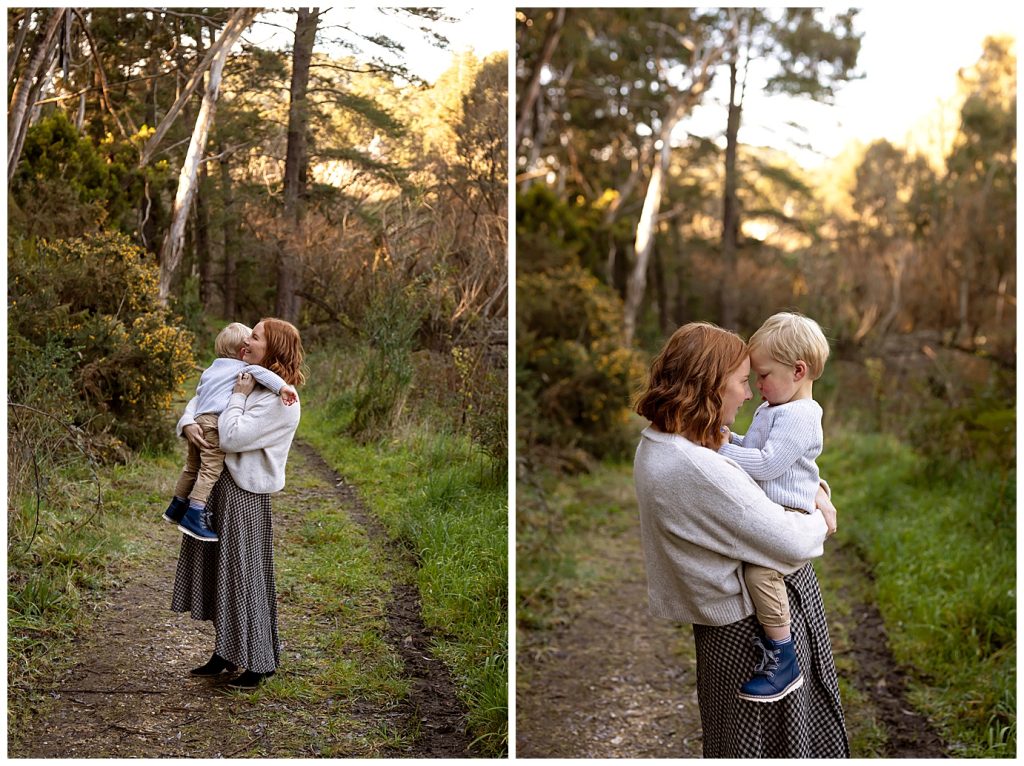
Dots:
{"x": 249, "y": 680}
{"x": 214, "y": 666}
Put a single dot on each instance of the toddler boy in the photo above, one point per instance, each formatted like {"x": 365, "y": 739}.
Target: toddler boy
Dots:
{"x": 203, "y": 465}
{"x": 787, "y": 354}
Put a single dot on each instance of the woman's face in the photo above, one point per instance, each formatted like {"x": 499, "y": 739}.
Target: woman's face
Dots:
{"x": 256, "y": 347}
{"x": 735, "y": 392}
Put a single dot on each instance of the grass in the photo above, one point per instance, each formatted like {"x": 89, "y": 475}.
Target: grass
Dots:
{"x": 941, "y": 546}
{"x": 941, "y": 540}
{"x": 56, "y": 583}
{"x": 446, "y": 503}
{"x": 554, "y": 518}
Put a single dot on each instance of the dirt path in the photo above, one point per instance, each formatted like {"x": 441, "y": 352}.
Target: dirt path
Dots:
{"x": 129, "y": 693}
{"x": 616, "y": 683}
{"x": 613, "y": 683}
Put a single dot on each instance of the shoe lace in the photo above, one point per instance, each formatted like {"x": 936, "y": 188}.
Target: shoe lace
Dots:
{"x": 769, "y": 661}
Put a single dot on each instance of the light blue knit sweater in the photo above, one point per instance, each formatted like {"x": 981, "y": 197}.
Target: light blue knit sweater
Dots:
{"x": 779, "y": 449}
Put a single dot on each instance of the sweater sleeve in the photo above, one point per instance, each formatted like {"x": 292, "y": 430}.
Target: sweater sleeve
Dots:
{"x": 188, "y": 417}
{"x": 792, "y": 434}
{"x": 730, "y": 515}
{"x": 266, "y": 377}
{"x": 256, "y": 422}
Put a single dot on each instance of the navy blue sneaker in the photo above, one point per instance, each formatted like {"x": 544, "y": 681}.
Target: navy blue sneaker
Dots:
{"x": 776, "y": 675}
{"x": 176, "y": 510}
{"x": 196, "y": 523}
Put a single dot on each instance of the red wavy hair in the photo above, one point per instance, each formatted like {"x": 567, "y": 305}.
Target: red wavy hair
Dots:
{"x": 284, "y": 352}
{"x": 684, "y": 389}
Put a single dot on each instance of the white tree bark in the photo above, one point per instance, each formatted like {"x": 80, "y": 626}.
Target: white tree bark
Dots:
{"x": 646, "y": 226}
{"x": 18, "y": 111}
{"x": 170, "y": 251}
{"x": 241, "y": 17}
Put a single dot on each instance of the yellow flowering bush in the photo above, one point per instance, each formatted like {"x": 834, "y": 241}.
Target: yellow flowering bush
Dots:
{"x": 89, "y": 337}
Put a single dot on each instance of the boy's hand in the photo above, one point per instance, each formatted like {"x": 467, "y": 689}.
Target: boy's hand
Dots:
{"x": 288, "y": 395}
{"x": 724, "y": 433}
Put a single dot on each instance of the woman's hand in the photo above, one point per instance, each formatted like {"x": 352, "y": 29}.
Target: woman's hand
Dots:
{"x": 824, "y": 504}
{"x": 246, "y": 383}
{"x": 194, "y": 433}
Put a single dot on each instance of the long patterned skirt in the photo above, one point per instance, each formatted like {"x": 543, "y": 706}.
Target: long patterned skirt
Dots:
{"x": 231, "y": 582}
{"x": 808, "y": 723}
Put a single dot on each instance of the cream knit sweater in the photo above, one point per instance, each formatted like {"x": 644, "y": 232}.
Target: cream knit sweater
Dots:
{"x": 256, "y": 432}
{"x": 701, "y": 517}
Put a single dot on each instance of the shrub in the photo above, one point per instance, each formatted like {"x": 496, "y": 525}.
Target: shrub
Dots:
{"x": 574, "y": 377}
{"x": 81, "y": 186}
{"x": 88, "y": 338}
{"x": 389, "y": 328}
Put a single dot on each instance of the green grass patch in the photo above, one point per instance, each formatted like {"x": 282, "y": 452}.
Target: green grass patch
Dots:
{"x": 941, "y": 540}
{"x": 56, "y": 578}
{"x": 555, "y": 517}
{"x": 447, "y": 504}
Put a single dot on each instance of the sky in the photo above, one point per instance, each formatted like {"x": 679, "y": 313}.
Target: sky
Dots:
{"x": 910, "y": 55}
{"x": 474, "y": 28}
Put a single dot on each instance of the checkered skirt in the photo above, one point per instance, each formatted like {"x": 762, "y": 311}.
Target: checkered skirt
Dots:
{"x": 808, "y": 723}
{"x": 231, "y": 582}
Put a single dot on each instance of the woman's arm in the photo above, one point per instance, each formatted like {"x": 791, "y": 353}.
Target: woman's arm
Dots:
{"x": 256, "y": 422}
{"x": 188, "y": 417}
{"x": 713, "y": 504}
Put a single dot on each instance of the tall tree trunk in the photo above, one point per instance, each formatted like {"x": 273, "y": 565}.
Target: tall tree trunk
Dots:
{"x": 230, "y": 238}
{"x": 730, "y": 210}
{"x": 289, "y": 277}
{"x": 678, "y": 107}
{"x": 170, "y": 252}
{"x": 218, "y": 51}
{"x": 19, "y": 43}
{"x": 645, "y": 231}
{"x": 551, "y": 35}
{"x": 204, "y": 256}
{"x": 17, "y": 112}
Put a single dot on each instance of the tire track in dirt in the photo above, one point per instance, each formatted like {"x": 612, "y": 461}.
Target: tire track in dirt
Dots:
{"x": 614, "y": 682}
{"x": 129, "y": 693}
{"x": 432, "y": 706}
{"x": 909, "y": 733}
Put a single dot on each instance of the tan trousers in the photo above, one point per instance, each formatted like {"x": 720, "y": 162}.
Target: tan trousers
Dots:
{"x": 768, "y": 592}
{"x": 202, "y": 466}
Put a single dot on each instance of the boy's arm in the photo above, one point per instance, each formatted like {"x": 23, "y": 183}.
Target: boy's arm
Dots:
{"x": 273, "y": 381}
{"x": 790, "y": 437}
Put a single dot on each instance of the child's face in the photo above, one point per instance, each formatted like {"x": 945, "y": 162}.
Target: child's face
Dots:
{"x": 777, "y": 382}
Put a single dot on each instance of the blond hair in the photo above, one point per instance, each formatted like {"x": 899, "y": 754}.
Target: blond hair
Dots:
{"x": 683, "y": 394}
{"x": 788, "y": 337}
{"x": 230, "y": 340}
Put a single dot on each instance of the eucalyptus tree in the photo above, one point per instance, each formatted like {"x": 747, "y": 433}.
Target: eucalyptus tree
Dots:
{"x": 981, "y": 192}
{"x": 807, "y": 54}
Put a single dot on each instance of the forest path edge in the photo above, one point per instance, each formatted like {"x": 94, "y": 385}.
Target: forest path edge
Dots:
{"x": 880, "y": 719}
{"x": 127, "y": 692}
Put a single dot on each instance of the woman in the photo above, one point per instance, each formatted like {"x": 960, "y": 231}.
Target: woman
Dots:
{"x": 232, "y": 581}
{"x": 701, "y": 517}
